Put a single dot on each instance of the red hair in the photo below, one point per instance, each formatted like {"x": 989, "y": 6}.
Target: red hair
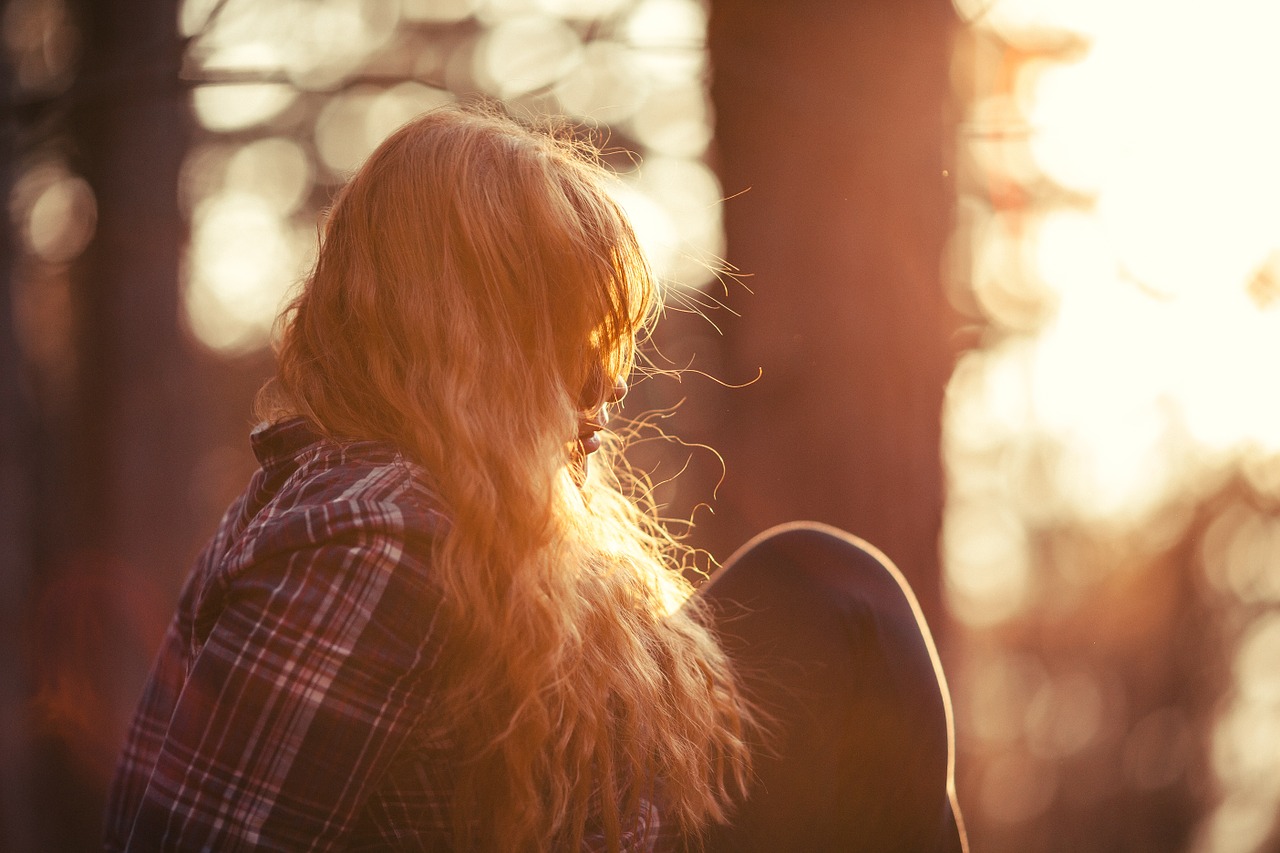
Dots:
{"x": 474, "y": 276}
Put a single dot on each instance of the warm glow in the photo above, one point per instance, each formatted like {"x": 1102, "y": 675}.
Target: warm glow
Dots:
{"x": 242, "y": 261}
{"x": 315, "y": 45}
{"x": 654, "y": 226}
{"x": 605, "y": 86}
{"x": 988, "y": 570}
{"x": 275, "y": 168}
{"x": 1147, "y": 299}
{"x": 1028, "y": 21}
{"x": 285, "y": 79}
{"x": 232, "y": 107}
{"x": 438, "y": 11}
{"x": 526, "y": 53}
{"x": 1121, "y": 241}
{"x": 581, "y": 9}
{"x": 40, "y": 44}
{"x": 57, "y": 210}
{"x": 1157, "y": 748}
{"x": 667, "y": 24}
{"x": 352, "y": 124}
{"x": 674, "y": 120}
{"x": 689, "y": 194}
{"x": 1240, "y": 556}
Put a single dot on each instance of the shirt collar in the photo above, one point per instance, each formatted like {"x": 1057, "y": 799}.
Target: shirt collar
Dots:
{"x": 278, "y": 445}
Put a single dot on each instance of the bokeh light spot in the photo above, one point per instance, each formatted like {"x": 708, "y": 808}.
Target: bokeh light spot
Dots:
{"x": 398, "y": 105}
{"x": 581, "y": 9}
{"x": 1033, "y": 22}
{"x": 1000, "y": 279}
{"x": 235, "y": 106}
{"x": 438, "y": 11}
{"x": 654, "y": 227}
{"x": 1239, "y": 552}
{"x": 62, "y": 213}
{"x": 1157, "y": 749}
{"x": 988, "y": 575}
{"x": 673, "y": 120}
{"x": 41, "y": 42}
{"x": 344, "y": 137}
{"x": 1258, "y": 669}
{"x": 604, "y": 86}
{"x": 241, "y": 262}
{"x": 690, "y": 194}
{"x": 666, "y": 24}
{"x": 328, "y": 42}
{"x": 1017, "y": 787}
{"x": 526, "y": 53}
{"x": 1065, "y": 715}
{"x": 1003, "y": 686}
{"x": 274, "y": 168}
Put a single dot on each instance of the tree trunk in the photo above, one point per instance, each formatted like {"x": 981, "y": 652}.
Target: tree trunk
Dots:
{"x": 115, "y": 521}
{"x": 832, "y": 138}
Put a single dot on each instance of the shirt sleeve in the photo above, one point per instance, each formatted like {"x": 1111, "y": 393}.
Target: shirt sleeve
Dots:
{"x": 314, "y": 670}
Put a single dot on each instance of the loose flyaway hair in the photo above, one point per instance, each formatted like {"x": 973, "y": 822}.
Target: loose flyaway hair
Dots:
{"x": 476, "y": 285}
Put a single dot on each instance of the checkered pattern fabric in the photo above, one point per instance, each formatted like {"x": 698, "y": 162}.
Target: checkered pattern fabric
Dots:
{"x": 290, "y": 706}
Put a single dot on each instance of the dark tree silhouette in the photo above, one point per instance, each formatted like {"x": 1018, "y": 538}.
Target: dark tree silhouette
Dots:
{"x": 832, "y": 138}
{"x": 101, "y": 511}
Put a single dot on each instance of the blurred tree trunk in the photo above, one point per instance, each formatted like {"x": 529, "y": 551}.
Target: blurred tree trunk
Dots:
{"x": 17, "y": 520}
{"x": 114, "y": 517}
{"x": 130, "y": 129}
{"x": 832, "y": 138}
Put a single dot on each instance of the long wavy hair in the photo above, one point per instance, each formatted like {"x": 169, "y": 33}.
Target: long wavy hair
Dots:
{"x": 475, "y": 280}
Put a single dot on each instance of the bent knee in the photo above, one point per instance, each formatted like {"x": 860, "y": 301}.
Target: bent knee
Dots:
{"x": 822, "y": 555}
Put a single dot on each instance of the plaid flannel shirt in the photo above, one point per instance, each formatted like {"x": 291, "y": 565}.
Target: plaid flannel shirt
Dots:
{"x": 290, "y": 705}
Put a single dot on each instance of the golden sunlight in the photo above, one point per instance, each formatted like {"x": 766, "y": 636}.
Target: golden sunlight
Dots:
{"x": 1120, "y": 237}
{"x": 1147, "y": 291}
{"x": 304, "y": 91}
{"x": 242, "y": 261}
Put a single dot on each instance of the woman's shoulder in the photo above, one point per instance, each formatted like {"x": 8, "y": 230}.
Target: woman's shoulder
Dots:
{"x": 322, "y": 521}
{"x": 315, "y": 492}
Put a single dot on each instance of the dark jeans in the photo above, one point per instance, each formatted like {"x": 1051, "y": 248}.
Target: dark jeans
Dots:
{"x": 830, "y": 642}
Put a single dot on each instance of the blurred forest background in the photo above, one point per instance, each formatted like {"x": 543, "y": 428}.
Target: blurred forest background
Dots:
{"x": 1008, "y": 307}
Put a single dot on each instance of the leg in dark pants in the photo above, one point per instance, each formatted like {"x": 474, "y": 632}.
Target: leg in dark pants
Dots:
{"x": 829, "y": 640}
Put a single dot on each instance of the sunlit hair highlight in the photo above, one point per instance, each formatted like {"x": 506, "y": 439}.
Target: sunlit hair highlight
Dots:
{"x": 475, "y": 283}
